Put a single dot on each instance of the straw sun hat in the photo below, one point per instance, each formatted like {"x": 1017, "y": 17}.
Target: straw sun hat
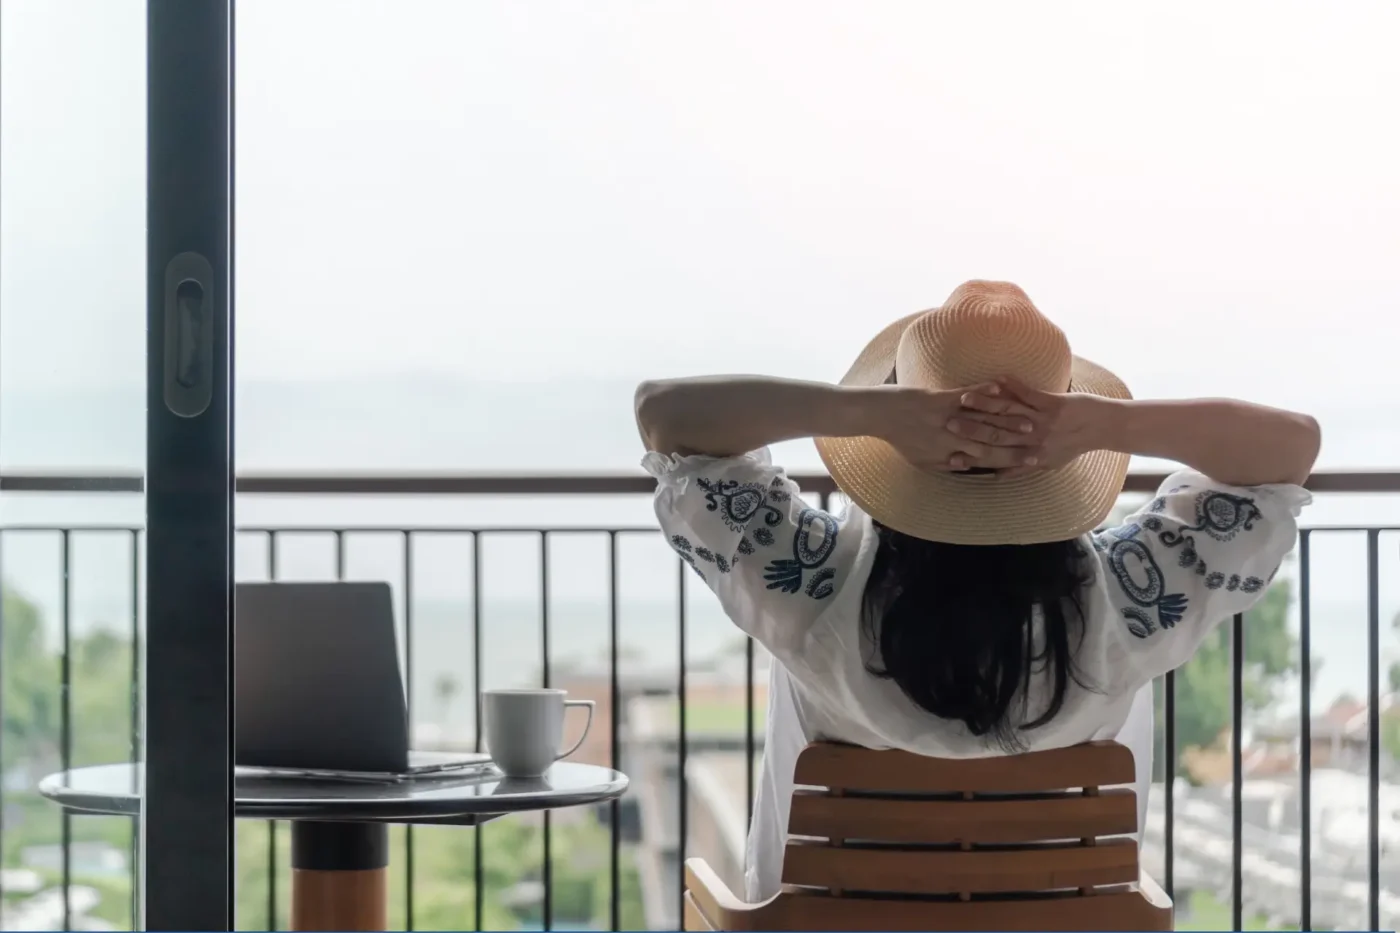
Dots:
{"x": 984, "y": 330}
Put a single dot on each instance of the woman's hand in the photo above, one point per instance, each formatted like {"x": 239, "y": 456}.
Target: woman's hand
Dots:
{"x": 939, "y": 430}
{"x": 1067, "y": 424}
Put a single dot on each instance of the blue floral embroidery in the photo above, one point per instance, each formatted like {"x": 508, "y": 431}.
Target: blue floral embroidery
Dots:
{"x": 807, "y": 554}
{"x": 682, "y": 546}
{"x": 1221, "y": 515}
{"x": 820, "y": 587}
{"x": 710, "y": 557}
{"x": 1142, "y": 580}
{"x": 1139, "y": 622}
{"x": 738, "y": 503}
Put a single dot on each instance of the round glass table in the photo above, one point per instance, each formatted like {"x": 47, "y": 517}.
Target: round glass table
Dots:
{"x": 340, "y": 837}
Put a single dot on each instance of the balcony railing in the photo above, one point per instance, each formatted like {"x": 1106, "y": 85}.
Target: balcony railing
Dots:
{"x": 1361, "y": 902}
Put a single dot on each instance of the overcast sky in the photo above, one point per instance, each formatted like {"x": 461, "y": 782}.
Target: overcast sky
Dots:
{"x": 1203, "y": 194}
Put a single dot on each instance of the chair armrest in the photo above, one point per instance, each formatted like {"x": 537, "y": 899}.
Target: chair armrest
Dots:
{"x": 712, "y": 896}
{"x": 1153, "y": 892}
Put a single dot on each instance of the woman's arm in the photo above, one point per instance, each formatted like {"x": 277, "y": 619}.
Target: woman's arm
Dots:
{"x": 1233, "y": 442}
{"x": 728, "y": 415}
{"x": 724, "y": 416}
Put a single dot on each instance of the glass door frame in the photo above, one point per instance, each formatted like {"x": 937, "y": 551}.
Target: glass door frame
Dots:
{"x": 187, "y": 807}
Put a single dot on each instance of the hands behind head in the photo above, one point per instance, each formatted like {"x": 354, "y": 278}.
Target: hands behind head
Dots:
{"x": 1005, "y": 426}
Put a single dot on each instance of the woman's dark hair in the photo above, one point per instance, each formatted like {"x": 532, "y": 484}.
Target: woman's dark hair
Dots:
{"x": 953, "y": 626}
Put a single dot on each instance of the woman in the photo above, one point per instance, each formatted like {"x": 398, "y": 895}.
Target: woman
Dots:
{"x": 964, "y": 604}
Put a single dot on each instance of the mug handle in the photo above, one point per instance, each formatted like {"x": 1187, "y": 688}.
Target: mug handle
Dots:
{"x": 586, "y": 726}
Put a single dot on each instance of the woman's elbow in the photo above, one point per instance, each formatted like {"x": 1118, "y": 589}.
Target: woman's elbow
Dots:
{"x": 648, "y": 403}
{"x": 1308, "y": 444}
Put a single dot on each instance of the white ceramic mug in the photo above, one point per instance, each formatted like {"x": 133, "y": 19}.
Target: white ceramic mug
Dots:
{"x": 524, "y": 729}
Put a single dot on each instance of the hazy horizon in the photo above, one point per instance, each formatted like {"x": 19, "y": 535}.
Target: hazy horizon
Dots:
{"x": 429, "y": 418}
{"x": 442, "y": 423}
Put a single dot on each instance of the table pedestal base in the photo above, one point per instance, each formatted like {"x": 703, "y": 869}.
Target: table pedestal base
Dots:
{"x": 340, "y": 876}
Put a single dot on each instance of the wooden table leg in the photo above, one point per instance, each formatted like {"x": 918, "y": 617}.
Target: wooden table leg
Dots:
{"x": 340, "y": 876}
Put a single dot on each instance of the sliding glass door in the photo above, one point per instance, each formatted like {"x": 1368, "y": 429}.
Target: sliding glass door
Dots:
{"x": 115, "y": 445}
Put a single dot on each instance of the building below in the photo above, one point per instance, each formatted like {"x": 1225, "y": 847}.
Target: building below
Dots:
{"x": 716, "y": 787}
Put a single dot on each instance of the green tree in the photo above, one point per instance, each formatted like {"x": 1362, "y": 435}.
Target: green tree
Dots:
{"x": 102, "y": 696}
{"x": 31, "y": 697}
{"x": 1390, "y": 735}
{"x": 1390, "y": 724}
{"x": 101, "y": 693}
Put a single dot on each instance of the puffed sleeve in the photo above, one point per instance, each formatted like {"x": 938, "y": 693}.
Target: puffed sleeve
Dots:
{"x": 775, "y": 562}
{"x": 1196, "y": 554}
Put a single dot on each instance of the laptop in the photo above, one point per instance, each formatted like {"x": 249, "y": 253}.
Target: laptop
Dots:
{"x": 317, "y": 689}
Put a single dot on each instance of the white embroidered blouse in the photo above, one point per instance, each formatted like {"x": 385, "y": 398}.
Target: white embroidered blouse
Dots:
{"x": 792, "y": 576}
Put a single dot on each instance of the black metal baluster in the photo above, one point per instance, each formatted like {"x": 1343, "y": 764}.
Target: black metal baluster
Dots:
{"x": 1373, "y": 724}
{"x": 408, "y": 701}
{"x": 135, "y": 704}
{"x": 750, "y": 741}
{"x": 2, "y": 730}
{"x": 271, "y": 824}
{"x": 615, "y": 700}
{"x": 1169, "y": 780}
{"x": 1305, "y": 728}
{"x": 548, "y": 866}
{"x": 478, "y": 907}
{"x": 681, "y": 738}
{"x": 340, "y": 555}
{"x": 1237, "y": 772}
{"x": 65, "y": 675}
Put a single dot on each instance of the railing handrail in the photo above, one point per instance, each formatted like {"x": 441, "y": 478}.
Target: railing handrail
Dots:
{"x": 440, "y": 483}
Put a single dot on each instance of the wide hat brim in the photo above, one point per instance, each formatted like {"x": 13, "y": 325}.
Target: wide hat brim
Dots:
{"x": 958, "y": 508}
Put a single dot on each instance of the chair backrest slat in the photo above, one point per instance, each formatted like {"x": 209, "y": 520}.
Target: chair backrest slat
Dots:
{"x": 1118, "y": 911}
{"x": 1058, "y": 817}
{"x": 844, "y": 767}
{"x": 980, "y": 871}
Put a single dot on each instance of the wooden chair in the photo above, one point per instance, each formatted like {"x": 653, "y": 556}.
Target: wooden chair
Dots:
{"x": 888, "y": 840}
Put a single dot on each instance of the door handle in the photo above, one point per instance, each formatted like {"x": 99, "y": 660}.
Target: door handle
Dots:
{"x": 189, "y": 335}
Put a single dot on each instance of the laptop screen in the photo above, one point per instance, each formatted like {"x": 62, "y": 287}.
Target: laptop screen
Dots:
{"x": 316, "y": 678}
